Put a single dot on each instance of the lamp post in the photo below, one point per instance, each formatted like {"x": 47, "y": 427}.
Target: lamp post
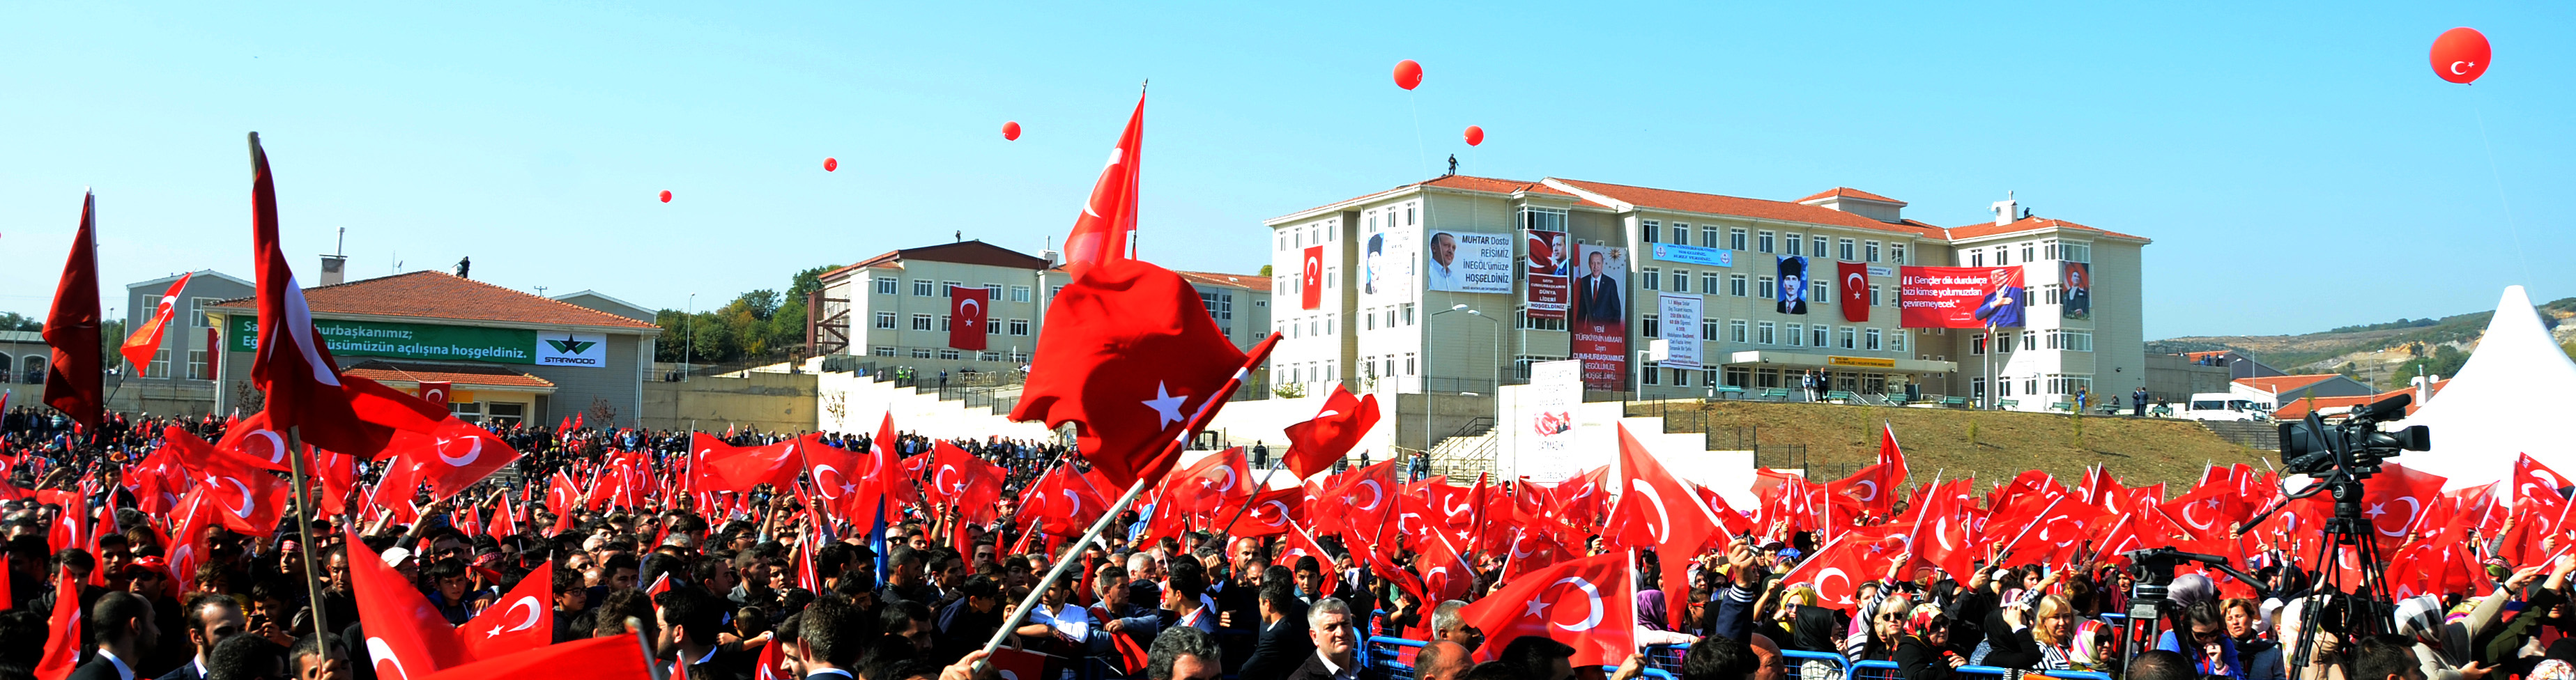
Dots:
{"x": 689, "y": 324}
{"x": 1498, "y": 368}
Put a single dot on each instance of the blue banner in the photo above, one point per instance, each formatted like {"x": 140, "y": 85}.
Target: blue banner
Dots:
{"x": 1706, "y": 257}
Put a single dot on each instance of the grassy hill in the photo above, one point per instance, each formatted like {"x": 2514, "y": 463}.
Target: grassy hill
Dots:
{"x": 2382, "y": 354}
{"x": 1843, "y": 438}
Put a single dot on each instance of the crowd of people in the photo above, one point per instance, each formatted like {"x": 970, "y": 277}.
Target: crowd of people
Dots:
{"x": 767, "y": 588}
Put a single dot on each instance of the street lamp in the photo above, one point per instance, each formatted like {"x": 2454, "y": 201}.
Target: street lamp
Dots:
{"x": 1498, "y": 369}
{"x": 689, "y": 324}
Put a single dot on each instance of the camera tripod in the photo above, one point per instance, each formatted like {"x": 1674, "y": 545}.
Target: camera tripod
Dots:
{"x": 2329, "y": 609}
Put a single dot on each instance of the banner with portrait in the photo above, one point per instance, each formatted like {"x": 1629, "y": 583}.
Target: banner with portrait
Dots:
{"x": 1960, "y": 297}
{"x": 1600, "y": 321}
{"x": 1470, "y": 262}
{"x": 1792, "y": 285}
{"x": 1550, "y": 265}
{"x": 2076, "y": 301}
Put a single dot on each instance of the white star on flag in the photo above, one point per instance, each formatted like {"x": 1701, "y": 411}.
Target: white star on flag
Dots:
{"x": 1537, "y": 608}
{"x": 1166, "y": 406}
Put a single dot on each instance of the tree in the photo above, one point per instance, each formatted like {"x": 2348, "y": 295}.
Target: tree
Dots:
{"x": 807, "y": 281}
{"x": 12, "y": 321}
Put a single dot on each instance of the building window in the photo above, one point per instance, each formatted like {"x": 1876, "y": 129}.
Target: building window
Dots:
{"x": 948, "y": 354}
{"x": 1409, "y": 368}
{"x": 924, "y": 288}
{"x": 1681, "y": 234}
{"x": 2072, "y": 341}
{"x": 1797, "y": 334}
{"x": 1408, "y": 307}
{"x": 1977, "y": 344}
{"x": 1652, "y": 231}
{"x": 1822, "y": 334}
{"x": 921, "y": 352}
{"x": 1769, "y": 291}
{"x": 2029, "y": 252}
{"x": 1708, "y": 237}
{"x": 1525, "y": 322}
{"x": 1870, "y": 251}
{"x": 1767, "y": 333}
{"x": 1977, "y": 387}
{"x": 196, "y": 312}
{"x": 1873, "y": 296}
{"x": 1734, "y": 284}
{"x": 1020, "y": 355}
{"x": 1711, "y": 283}
{"x": 198, "y": 367}
{"x": 991, "y": 328}
{"x": 1651, "y": 375}
{"x": 885, "y": 320}
{"x": 160, "y": 366}
{"x": 1735, "y": 239}
{"x": 921, "y": 322}
{"x": 1053, "y": 291}
{"x": 2003, "y": 255}
{"x": 1818, "y": 294}
{"x": 1796, "y": 244}
{"x": 1681, "y": 280}
{"x": 993, "y": 292}
{"x": 1652, "y": 324}
{"x": 2003, "y": 387}
{"x": 944, "y": 287}
{"x": 1019, "y": 293}
{"x": 1976, "y": 258}
{"x": 1844, "y": 249}
{"x": 1708, "y": 329}
{"x": 1371, "y": 323}
{"x": 1735, "y": 330}
{"x": 1736, "y": 376}
{"x": 2003, "y": 343}
{"x": 2030, "y": 339}
{"x": 1766, "y": 241}
{"x": 881, "y": 350}
{"x": 886, "y": 285}
{"x": 1872, "y": 337}
{"x": 943, "y": 322}
{"x": 2075, "y": 252}
{"x": 988, "y": 356}
{"x": 2030, "y": 386}
{"x": 1896, "y": 253}
{"x": 1652, "y": 279}
{"x": 1896, "y": 341}
{"x": 1681, "y": 377}
{"x": 1819, "y": 250}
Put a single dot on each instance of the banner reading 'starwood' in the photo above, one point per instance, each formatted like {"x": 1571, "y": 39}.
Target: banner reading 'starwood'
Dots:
{"x": 443, "y": 343}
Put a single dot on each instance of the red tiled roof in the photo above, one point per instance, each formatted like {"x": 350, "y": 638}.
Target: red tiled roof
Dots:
{"x": 2298, "y": 408}
{"x": 2283, "y": 383}
{"x": 1848, "y": 192}
{"x": 961, "y": 252}
{"x": 486, "y": 376}
{"x": 440, "y": 295}
{"x": 1466, "y": 182}
{"x": 1715, "y": 204}
{"x": 1252, "y": 281}
{"x": 1982, "y": 229}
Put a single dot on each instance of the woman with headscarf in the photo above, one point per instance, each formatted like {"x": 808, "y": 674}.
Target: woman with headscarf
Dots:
{"x": 1922, "y": 650}
{"x": 1653, "y": 621}
{"x": 2091, "y": 650}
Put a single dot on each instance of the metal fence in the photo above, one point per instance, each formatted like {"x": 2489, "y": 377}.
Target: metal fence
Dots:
{"x": 1781, "y": 456}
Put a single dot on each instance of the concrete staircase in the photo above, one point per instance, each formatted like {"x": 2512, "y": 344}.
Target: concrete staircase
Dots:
{"x": 2253, "y": 435}
{"x": 1463, "y": 457}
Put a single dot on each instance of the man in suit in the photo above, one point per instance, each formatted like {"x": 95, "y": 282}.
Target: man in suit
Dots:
{"x": 689, "y": 620}
{"x": 210, "y": 618}
{"x": 1793, "y": 285}
{"x": 1596, "y": 295}
{"x": 827, "y": 643}
{"x": 2079, "y": 293}
{"x": 1336, "y": 644}
{"x": 2003, "y": 307}
{"x": 122, "y": 624}
{"x": 1283, "y": 641}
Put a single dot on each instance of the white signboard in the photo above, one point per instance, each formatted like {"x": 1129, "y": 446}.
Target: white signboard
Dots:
{"x": 587, "y": 350}
{"x": 1680, "y": 315}
{"x": 1469, "y": 262}
{"x": 1546, "y": 421}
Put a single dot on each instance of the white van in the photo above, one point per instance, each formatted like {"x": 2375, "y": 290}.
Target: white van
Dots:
{"x": 2224, "y": 406}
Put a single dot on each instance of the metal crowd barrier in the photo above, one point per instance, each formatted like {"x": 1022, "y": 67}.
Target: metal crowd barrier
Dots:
{"x": 1382, "y": 658}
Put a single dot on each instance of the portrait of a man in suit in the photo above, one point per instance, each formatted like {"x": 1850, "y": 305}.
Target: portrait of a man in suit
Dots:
{"x": 1596, "y": 294}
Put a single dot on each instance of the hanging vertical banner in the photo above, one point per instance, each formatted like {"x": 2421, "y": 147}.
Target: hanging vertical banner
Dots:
{"x": 1310, "y": 282}
{"x": 1854, "y": 278}
{"x": 1960, "y": 297}
{"x": 1544, "y": 448}
{"x": 966, "y": 317}
{"x": 1793, "y": 285}
{"x": 1370, "y": 262}
{"x": 1550, "y": 265}
{"x": 1680, "y": 314}
{"x": 1601, "y": 317}
{"x": 2078, "y": 281}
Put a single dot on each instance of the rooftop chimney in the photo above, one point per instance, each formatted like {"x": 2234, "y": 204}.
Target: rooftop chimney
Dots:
{"x": 2007, "y": 210}
{"x": 335, "y": 267}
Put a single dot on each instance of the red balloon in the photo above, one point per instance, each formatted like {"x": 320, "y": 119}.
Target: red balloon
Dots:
{"x": 2461, "y": 54}
{"x": 1011, "y": 130}
{"x": 666, "y": 196}
{"x": 1475, "y": 135}
{"x": 831, "y": 164}
{"x": 1408, "y": 74}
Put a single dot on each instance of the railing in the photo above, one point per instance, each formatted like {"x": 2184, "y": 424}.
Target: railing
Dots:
{"x": 1780, "y": 456}
{"x": 1474, "y": 426}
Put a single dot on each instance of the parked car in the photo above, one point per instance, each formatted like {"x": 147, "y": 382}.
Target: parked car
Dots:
{"x": 2224, "y": 406}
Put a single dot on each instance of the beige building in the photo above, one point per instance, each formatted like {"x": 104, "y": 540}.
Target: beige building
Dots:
{"x": 1425, "y": 289}
{"x": 892, "y": 310}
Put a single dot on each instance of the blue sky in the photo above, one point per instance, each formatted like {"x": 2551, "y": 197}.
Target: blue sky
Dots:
{"x": 2299, "y": 168}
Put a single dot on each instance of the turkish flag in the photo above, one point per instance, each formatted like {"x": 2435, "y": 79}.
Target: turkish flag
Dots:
{"x": 1310, "y": 272}
{"x": 1943, "y": 534}
{"x": 1659, "y": 511}
{"x": 1446, "y": 575}
{"x": 1316, "y": 443}
{"x": 561, "y": 496}
{"x": 968, "y": 483}
{"x": 1298, "y": 543}
{"x": 73, "y": 379}
{"x": 1268, "y": 514}
{"x": 405, "y": 635}
{"x": 967, "y": 317}
{"x": 1579, "y": 499}
{"x": 456, "y": 456}
{"x": 63, "y": 647}
{"x": 615, "y": 656}
{"x": 841, "y": 482}
{"x": 2394, "y": 499}
{"x": 1855, "y": 285}
{"x": 1100, "y": 233}
{"x": 303, "y": 384}
{"x": 1588, "y": 603}
{"x": 1128, "y": 356}
{"x": 739, "y": 468}
{"x": 1218, "y": 480}
{"x": 140, "y": 345}
{"x": 1063, "y": 502}
{"x": 435, "y": 392}
{"x": 1531, "y": 548}
{"x": 897, "y": 477}
{"x": 505, "y": 519}
{"x": 1835, "y": 570}
{"x": 251, "y": 444}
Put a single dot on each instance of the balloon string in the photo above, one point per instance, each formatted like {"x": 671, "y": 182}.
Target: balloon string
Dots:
{"x": 2477, "y": 108}
{"x": 1421, "y": 153}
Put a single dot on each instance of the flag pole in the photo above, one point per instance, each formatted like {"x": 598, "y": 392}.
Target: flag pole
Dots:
{"x": 1260, "y": 353}
{"x": 1256, "y": 495}
{"x": 304, "y": 523}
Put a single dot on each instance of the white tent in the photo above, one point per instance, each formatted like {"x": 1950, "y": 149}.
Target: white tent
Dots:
{"x": 2510, "y": 399}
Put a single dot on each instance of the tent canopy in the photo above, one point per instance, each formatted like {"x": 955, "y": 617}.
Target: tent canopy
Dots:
{"x": 2511, "y": 398}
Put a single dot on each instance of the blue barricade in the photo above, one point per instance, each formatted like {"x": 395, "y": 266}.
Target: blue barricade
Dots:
{"x": 1814, "y": 665}
{"x": 1382, "y": 658}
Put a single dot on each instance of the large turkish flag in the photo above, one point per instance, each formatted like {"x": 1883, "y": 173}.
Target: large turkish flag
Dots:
{"x": 1853, "y": 277}
{"x": 1310, "y": 270}
{"x": 967, "y": 318}
{"x": 1129, "y": 355}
